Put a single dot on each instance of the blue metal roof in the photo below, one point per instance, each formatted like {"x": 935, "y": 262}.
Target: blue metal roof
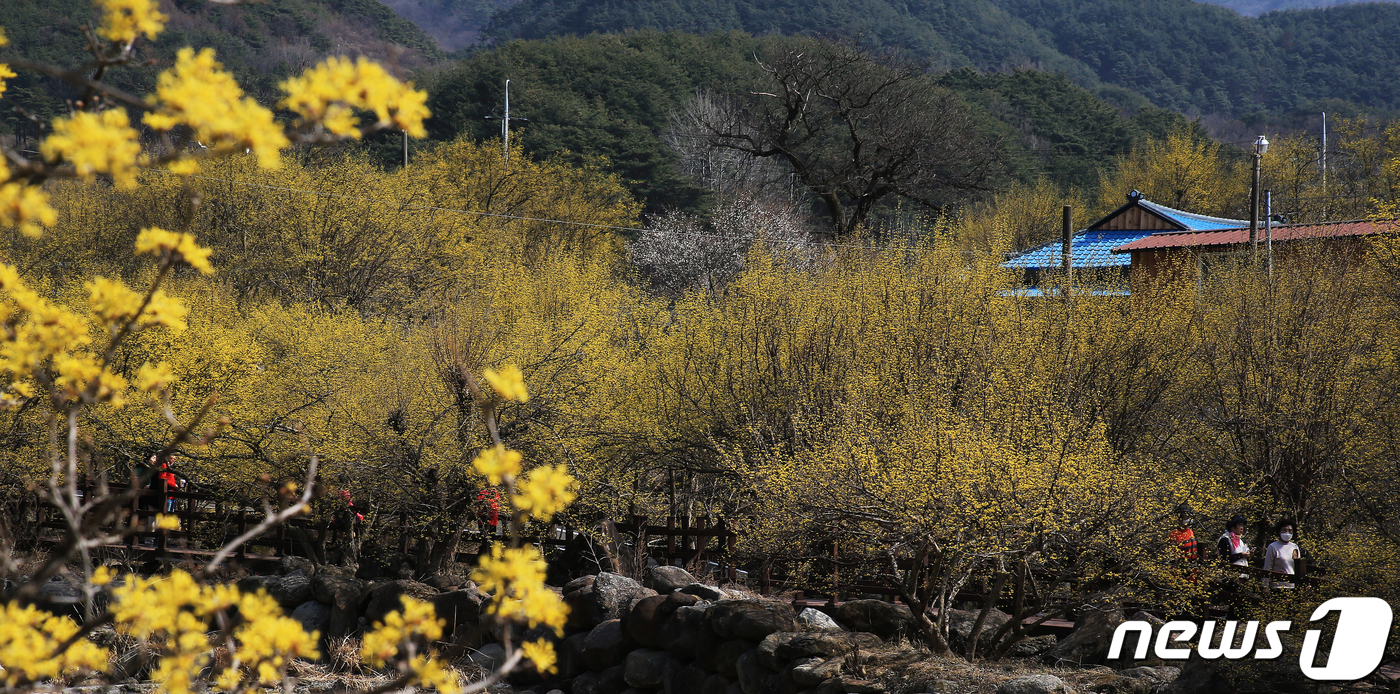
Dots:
{"x": 1194, "y": 222}
{"x": 1095, "y": 248}
{"x": 1089, "y": 249}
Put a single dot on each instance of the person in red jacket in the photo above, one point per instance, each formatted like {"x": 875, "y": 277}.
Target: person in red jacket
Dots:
{"x": 488, "y": 509}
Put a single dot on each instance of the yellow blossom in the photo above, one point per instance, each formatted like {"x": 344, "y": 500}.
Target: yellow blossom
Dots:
{"x": 28, "y": 638}
{"x": 496, "y": 463}
{"x": 417, "y": 619}
{"x": 541, "y": 653}
{"x": 328, "y": 94}
{"x": 509, "y": 383}
{"x": 157, "y": 240}
{"x": 124, "y": 20}
{"x": 96, "y": 143}
{"x": 431, "y": 674}
{"x": 516, "y": 577}
{"x": 113, "y": 303}
{"x": 154, "y": 378}
{"x": 165, "y": 522}
{"x": 5, "y": 73}
{"x": 25, "y": 207}
{"x": 103, "y": 575}
{"x": 198, "y": 93}
{"x": 546, "y": 491}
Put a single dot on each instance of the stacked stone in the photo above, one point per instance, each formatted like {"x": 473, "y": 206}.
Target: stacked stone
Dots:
{"x": 695, "y": 639}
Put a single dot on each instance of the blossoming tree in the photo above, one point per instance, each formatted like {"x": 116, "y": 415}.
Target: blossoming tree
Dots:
{"x": 61, "y": 359}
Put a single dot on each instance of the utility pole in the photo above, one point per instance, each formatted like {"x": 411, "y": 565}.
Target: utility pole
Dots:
{"x": 1261, "y": 146}
{"x": 1324, "y": 166}
{"x": 1066, "y": 252}
{"x": 505, "y": 127}
{"x": 1269, "y": 231}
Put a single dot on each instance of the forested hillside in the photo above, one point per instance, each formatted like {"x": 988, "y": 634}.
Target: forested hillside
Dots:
{"x": 1255, "y": 8}
{"x": 618, "y": 93}
{"x": 261, "y": 44}
{"x": 1180, "y": 54}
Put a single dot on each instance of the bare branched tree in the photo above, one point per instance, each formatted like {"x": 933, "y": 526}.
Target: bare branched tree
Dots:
{"x": 855, "y": 129}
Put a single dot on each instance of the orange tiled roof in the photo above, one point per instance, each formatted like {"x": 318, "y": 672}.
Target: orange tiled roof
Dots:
{"x": 1231, "y": 237}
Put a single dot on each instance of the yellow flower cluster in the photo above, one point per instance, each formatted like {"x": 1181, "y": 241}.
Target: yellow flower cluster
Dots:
{"x": 329, "y": 94}
{"x": 497, "y": 464}
{"x": 5, "y": 71}
{"x": 21, "y": 205}
{"x": 541, "y": 653}
{"x": 157, "y": 240}
{"x": 96, "y": 143}
{"x": 124, "y": 20}
{"x": 416, "y": 620}
{"x": 546, "y": 491}
{"x": 43, "y": 335}
{"x": 516, "y": 577}
{"x": 154, "y": 378}
{"x": 28, "y": 639}
{"x": 198, "y": 93}
{"x": 508, "y": 383}
{"x": 175, "y": 613}
{"x": 113, "y": 304}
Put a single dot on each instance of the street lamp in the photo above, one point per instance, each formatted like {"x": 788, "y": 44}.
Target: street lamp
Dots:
{"x": 1261, "y": 146}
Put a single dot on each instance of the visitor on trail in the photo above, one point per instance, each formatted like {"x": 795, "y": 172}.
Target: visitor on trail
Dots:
{"x": 1232, "y": 548}
{"x": 1282, "y": 556}
{"x": 488, "y": 510}
{"x": 170, "y": 479}
{"x": 1183, "y": 536}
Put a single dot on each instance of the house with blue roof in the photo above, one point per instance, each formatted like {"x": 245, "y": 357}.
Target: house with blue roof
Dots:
{"x": 1091, "y": 249}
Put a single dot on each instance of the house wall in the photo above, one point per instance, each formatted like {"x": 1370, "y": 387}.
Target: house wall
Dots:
{"x": 1159, "y": 267}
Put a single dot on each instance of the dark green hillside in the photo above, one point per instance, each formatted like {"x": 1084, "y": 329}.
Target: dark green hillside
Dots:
{"x": 261, "y": 43}
{"x": 1182, "y": 55}
{"x": 611, "y": 95}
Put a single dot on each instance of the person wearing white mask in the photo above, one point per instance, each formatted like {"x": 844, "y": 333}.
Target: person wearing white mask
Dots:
{"x": 1282, "y": 557}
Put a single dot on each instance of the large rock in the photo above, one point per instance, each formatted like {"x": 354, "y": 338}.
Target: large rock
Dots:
{"x": 810, "y": 672}
{"x": 817, "y": 619}
{"x": 716, "y": 684}
{"x": 313, "y": 615}
{"x": 750, "y": 619}
{"x": 345, "y": 596}
{"x": 726, "y": 657}
{"x": 488, "y": 657}
{"x": 704, "y": 592}
{"x": 884, "y": 619}
{"x": 665, "y": 579}
{"x": 754, "y": 678}
{"x": 855, "y": 685}
{"x": 682, "y": 678}
{"x": 609, "y": 681}
{"x": 1088, "y": 643}
{"x": 611, "y": 595}
{"x": 1031, "y": 646}
{"x": 458, "y": 607}
{"x": 820, "y": 644}
{"x": 682, "y": 632}
{"x": 1111, "y": 683}
{"x": 289, "y": 565}
{"x": 606, "y": 645}
{"x": 447, "y": 582}
{"x": 960, "y": 623}
{"x": 644, "y": 622}
{"x": 571, "y": 661}
{"x": 1156, "y": 676}
{"x": 645, "y": 668}
{"x": 291, "y": 590}
{"x": 388, "y": 597}
{"x": 1035, "y": 684}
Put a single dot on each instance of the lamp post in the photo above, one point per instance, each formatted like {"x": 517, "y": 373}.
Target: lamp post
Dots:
{"x": 1261, "y": 146}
